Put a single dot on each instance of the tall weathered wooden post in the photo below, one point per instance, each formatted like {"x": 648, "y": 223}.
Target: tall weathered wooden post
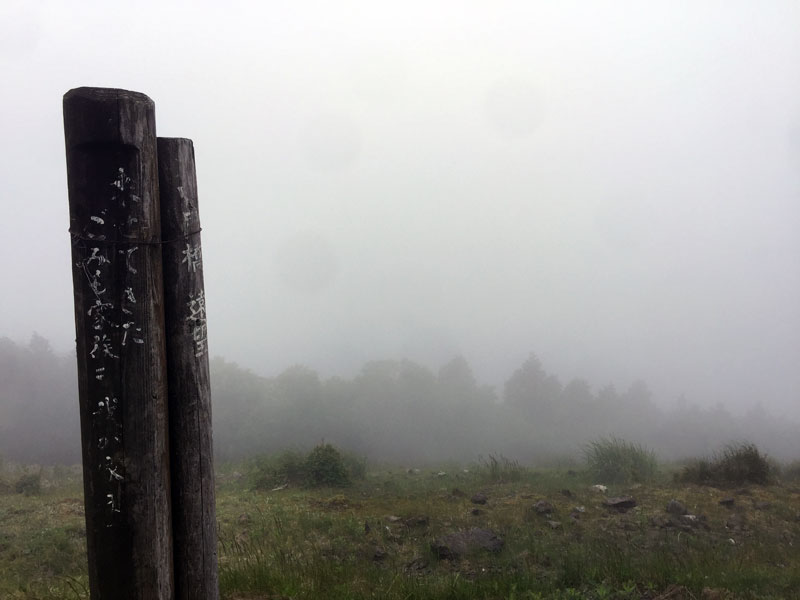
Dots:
{"x": 122, "y": 376}
{"x": 191, "y": 460}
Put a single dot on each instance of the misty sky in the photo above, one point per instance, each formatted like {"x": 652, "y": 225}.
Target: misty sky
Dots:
{"x": 614, "y": 186}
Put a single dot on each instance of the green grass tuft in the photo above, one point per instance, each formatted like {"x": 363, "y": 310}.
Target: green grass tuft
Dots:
{"x": 736, "y": 464}
{"x": 613, "y": 460}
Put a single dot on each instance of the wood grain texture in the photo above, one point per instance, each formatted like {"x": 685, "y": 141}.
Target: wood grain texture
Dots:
{"x": 191, "y": 449}
{"x": 118, "y": 290}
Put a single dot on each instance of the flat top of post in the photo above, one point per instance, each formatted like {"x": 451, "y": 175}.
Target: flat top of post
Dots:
{"x": 105, "y": 94}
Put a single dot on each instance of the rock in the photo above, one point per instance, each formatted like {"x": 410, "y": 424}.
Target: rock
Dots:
{"x": 620, "y": 503}
{"x": 566, "y": 493}
{"x": 543, "y": 507}
{"x": 736, "y": 522}
{"x": 727, "y": 502}
{"x": 420, "y": 521}
{"x": 379, "y": 554}
{"x": 600, "y": 488}
{"x": 441, "y": 474}
{"x": 579, "y": 509}
{"x": 417, "y": 564}
{"x": 554, "y": 524}
{"x": 280, "y": 487}
{"x": 479, "y": 498}
{"x": 393, "y": 519}
{"x": 456, "y": 545}
{"x": 477, "y": 512}
{"x": 674, "y": 507}
{"x": 457, "y": 493}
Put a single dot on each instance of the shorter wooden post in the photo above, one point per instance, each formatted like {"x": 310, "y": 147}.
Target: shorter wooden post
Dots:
{"x": 191, "y": 450}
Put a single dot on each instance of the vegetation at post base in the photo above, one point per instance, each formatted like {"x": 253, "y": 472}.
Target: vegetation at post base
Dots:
{"x": 612, "y": 460}
{"x": 736, "y": 464}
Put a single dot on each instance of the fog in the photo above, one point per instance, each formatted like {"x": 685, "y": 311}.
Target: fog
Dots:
{"x": 612, "y": 187}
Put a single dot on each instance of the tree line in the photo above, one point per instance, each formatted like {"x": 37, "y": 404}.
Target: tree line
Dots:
{"x": 392, "y": 410}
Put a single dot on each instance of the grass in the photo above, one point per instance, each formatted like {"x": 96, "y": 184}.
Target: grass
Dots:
{"x": 612, "y": 460}
{"x": 372, "y": 539}
{"x": 736, "y": 464}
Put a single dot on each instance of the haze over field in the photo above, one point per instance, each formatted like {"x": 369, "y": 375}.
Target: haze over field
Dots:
{"x": 614, "y": 186}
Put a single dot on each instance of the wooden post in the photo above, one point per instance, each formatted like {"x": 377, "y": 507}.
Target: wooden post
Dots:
{"x": 191, "y": 451}
{"x": 122, "y": 380}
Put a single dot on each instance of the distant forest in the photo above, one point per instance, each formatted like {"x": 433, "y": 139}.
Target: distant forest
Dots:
{"x": 393, "y": 410}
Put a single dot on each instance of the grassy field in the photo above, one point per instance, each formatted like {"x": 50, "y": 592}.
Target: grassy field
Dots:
{"x": 373, "y": 539}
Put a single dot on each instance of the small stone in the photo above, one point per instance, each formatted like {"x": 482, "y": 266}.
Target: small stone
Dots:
{"x": 543, "y": 507}
{"x": 620, "y": 504}
{"x": 420, "y": 521}
{"x": 479, "y": 498}
{"x": 417, "y": 564}
{"x": 455, "y": 545}
{"x": 554, "y": 524}
{"x": 674, "y": 507}
{"x": 477, "y": 512}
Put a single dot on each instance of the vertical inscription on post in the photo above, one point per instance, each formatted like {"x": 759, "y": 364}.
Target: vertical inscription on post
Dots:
{"x": 118, "y": 288}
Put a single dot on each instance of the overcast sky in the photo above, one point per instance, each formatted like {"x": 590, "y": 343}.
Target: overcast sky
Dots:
{"x": 614, "y": 186}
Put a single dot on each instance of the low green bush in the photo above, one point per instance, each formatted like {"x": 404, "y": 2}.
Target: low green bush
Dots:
{"x": 288, "y": 467}
{"x": 736, "y": 464}
{"x": 29, "y": 484}
{"x": 325, "y": 466}
{"x": 613, "y": 460}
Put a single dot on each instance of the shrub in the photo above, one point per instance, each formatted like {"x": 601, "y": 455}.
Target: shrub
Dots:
{"x": 612, "y": 460}
{"x": 735, "y": 464}
{"x": 29, "y": 484}
{"x": 288, "y": 467}
{"x": 325, "y": 466}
